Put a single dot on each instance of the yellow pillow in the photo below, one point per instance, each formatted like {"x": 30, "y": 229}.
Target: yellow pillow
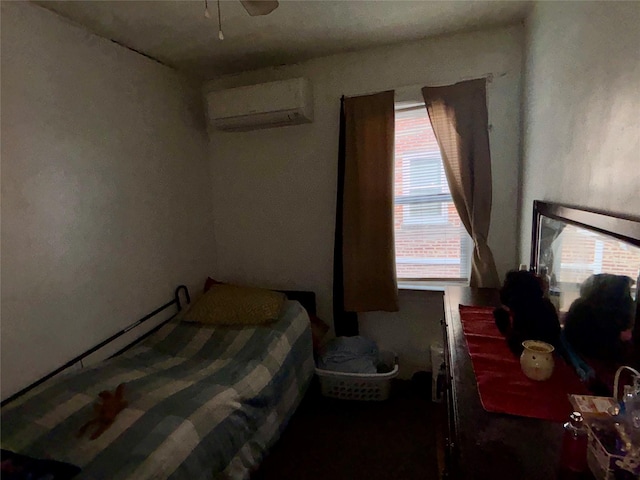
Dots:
{"x": 234, "y": 305}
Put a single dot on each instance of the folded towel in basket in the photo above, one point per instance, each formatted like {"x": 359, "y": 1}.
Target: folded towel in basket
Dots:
{"x": 350, "y": 355}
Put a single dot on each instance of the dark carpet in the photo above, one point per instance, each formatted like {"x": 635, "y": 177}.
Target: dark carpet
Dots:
{"x": 333, "y": 439}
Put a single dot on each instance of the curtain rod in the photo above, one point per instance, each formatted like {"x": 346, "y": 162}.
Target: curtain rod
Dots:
{"x": 487, "y": 76}
{"x": 410, "y": 108}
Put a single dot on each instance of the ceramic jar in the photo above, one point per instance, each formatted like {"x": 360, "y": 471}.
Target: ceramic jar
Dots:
{"x": 537, "y": 360}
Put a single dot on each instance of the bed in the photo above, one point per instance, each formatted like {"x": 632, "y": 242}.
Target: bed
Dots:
{"x": 203, "y": 402}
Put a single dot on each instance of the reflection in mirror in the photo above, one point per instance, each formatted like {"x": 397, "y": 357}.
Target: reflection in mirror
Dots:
{"x": 592, "y": 272}
{"x": 569, "y": 255}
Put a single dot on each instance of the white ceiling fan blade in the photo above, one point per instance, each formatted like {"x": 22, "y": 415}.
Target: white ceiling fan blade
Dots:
{"x": 259, "y": 7}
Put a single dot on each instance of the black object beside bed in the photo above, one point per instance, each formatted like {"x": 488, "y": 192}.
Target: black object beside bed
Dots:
{"x": 306, "y": 299}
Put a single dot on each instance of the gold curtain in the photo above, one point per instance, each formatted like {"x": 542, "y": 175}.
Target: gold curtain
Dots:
{"x": 368, "y": 237}
{"x": 458, "y": 114}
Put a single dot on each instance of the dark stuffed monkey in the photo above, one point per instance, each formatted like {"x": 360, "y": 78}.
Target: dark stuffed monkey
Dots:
{"x": 105, "y": 412}
{"x": 525, "y": 314}
{"x": 598, "y": 323}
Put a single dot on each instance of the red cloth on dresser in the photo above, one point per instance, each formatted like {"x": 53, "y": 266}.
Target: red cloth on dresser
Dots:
{"x": 502, "y": 386}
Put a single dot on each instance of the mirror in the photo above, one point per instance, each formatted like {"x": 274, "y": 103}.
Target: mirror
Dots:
{"x": 590, "y": 262}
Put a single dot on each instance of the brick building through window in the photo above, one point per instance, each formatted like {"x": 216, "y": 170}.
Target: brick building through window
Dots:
{"x": 431, "y": 242}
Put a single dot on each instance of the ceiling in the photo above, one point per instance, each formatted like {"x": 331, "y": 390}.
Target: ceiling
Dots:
{"x": 176, "y": 33}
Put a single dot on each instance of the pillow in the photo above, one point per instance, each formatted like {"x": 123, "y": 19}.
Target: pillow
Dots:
{"x": 225, "y": 304}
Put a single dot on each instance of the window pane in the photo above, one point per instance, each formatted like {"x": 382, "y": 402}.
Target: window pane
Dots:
{"x": 424, "y": 175}
{"x": 431, "y": 242}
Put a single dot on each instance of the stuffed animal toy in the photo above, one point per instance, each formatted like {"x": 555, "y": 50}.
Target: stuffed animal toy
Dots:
{"x": 105, "y": 413}
{"x": 525, "y": 314}
{"x": 599, "y": 323}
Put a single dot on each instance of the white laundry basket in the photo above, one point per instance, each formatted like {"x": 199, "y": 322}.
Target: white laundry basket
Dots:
{"x": 359, "y": 386}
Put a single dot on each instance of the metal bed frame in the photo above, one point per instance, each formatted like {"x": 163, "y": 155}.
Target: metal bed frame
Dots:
{"x": 176, "y": 301}
{"x": 306, "y": 298}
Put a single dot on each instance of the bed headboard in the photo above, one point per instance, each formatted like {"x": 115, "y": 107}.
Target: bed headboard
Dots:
{"x": 306, "y": 299}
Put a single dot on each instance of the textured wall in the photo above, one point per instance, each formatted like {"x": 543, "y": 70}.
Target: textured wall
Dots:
{"x": 582, "y": 108}
{"x": 105, "y": 190}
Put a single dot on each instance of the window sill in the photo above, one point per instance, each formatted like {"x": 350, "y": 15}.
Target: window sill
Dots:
{"x": 435, "y": 286}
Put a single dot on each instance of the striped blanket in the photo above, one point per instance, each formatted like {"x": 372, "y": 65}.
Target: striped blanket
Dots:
{"x": 204, "y": 402}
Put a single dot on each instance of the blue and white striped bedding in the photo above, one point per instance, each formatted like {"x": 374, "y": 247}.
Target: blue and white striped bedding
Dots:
{"x": 204, "y": 402}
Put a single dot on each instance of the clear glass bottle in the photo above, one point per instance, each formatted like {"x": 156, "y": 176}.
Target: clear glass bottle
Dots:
{"x": 627, "y": 398}
{"x": 574, "y": 444}
{"x": 631, "y": 402}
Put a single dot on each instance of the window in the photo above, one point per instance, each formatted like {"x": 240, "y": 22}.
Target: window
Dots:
{"x": 431, "y": 242}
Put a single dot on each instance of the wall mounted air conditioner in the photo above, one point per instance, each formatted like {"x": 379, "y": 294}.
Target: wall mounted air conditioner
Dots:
{"x": 267, "y": 105}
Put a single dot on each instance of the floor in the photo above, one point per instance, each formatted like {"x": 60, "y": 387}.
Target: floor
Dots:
{"x": 344, "y": 440}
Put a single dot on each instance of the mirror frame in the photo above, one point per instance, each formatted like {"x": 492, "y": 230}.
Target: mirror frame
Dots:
{"x": 622, "y": 227}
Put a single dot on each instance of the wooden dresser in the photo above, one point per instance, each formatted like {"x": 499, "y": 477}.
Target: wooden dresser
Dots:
{"x": 481, "y": 445}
